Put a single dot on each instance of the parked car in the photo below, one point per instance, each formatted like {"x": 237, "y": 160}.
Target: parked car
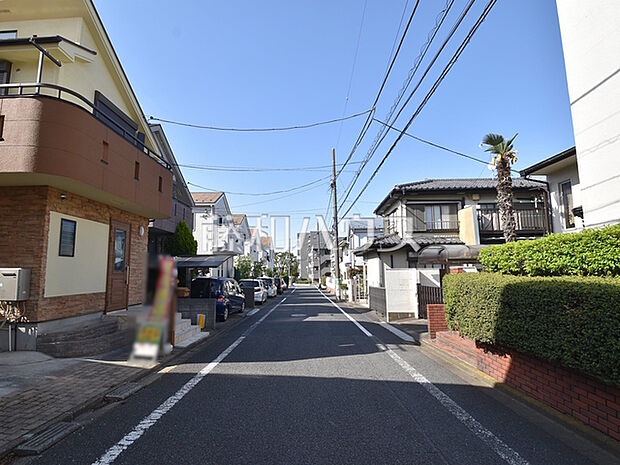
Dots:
{"x": 272, "y": 291}
{"x": 260, "y": 291}
{"x": 278, "y": 282}
{"x": 227, "y": 294}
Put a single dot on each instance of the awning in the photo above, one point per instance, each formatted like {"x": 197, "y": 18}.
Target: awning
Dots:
{"x": 448, "y": 254}
{"x": 202, "y": 261}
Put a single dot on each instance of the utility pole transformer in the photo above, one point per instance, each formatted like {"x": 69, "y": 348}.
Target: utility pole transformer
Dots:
{"x": 337, "y": 254}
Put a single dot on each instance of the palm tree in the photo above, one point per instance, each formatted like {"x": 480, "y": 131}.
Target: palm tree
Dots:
{"x": 504, "y": 155}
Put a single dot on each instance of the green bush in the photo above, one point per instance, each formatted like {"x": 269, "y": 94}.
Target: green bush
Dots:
{"x": 182, "y": 242}
{"x": 572, "y": 321}
{"x": 592, "y": 252}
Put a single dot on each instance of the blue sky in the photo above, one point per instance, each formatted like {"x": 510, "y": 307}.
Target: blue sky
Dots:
{"x": 279, "y": 63}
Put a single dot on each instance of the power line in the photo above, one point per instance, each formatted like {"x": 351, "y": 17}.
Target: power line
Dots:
{"x": 430, "y": 93}
{"x": 254, "y": 169}
{"x": 316, "y": 181}
{"x": 284, "y": 196}
{"x": 357, "y": 47}
{"x": 433, "y": 144}
{"x": 283, "y": 128}
{"x": 382, "y": 134}
{"x": 368, "y": 121}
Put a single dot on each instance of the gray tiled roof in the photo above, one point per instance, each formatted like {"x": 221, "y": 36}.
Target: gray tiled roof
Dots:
{"x": 455, "y": 185}
{"x": 465, "y": 184}
{"x": 432, "y": 240}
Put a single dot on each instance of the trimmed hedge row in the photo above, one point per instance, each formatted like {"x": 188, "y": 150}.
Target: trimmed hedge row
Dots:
{"x": 572, "y": 321}
{"x": 592, "y": 252}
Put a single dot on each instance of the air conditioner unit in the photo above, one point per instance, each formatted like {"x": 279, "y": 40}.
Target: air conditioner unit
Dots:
{"x": 14, "y": 284}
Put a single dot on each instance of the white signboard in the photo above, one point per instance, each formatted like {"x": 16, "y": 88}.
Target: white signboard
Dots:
{"x": 401, "y": 291}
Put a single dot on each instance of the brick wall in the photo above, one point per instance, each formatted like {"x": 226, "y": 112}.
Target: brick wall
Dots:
{"x": 24, "y": 224}
{"x": 580, "y": 396}
{"x": 436, "y": 319}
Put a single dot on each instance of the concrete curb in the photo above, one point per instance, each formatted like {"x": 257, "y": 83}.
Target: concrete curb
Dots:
{"x": 99, "y": 401}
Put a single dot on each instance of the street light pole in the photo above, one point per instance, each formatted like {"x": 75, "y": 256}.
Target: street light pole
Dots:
{"x": 337, "y": 254}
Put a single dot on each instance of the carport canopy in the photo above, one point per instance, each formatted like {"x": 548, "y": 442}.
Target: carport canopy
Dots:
{"x": 202, "y": 261}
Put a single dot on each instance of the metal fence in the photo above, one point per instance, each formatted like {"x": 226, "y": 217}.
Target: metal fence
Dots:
{"x": 428, "y": 295}
{"x": 377, "y": 300}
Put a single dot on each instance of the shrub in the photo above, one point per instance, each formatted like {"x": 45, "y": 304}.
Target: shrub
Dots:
{"x": 182, "y": 242}
{"x": 592, "y": 252}
{"x": 572, "y": 321}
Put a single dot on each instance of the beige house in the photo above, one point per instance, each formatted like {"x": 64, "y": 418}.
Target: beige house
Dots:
{"x": 79, "y": 174}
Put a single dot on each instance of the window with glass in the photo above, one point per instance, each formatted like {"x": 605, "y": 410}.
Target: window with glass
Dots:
{"x": 120, "y": 239}
{"x": 438, "y": 217}
{"x": 67, "y": 238}
{"x": 566, "y": 199}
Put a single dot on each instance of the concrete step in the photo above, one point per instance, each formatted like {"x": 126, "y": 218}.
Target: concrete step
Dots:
{"x": 81, "y": 347}
{"x": 88, "y": 331}
{"x": 185, "y": 334}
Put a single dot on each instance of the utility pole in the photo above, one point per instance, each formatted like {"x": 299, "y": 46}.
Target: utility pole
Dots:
{"x": 318, "y": 239}
{"x": 337, "y": 255}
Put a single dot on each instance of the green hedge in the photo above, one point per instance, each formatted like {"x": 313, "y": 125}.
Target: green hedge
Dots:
{"x": 592, "y": 252}
{"x": 567, "y": 320}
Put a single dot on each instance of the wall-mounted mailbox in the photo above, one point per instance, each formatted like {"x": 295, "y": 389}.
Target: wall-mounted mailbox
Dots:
{"x": 14, "y": 284}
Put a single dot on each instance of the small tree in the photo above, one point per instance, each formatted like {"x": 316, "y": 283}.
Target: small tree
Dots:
{"x": 182, "y": 242}
{"x": 257, "y": 269}
{"x": 282, "y": 260}
{"x": 268, "y": 271}
{"x": 504, "y": 155}
{"x": 244, "y": 266}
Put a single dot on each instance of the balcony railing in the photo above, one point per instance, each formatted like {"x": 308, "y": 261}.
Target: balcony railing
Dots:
{"x": 61, "y": 93}
{"x": 527, "y": 220}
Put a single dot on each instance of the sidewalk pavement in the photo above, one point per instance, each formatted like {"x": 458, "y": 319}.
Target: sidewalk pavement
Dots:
{"x": 36, "y": 390}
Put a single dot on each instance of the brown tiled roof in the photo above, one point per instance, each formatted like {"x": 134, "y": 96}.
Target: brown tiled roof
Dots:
{"x": 206, "y": 197}
{"x": 265, "y": 241}
{"x": 238, "y": 219}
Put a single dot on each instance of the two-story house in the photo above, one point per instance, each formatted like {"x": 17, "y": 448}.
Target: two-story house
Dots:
{"x": 359, "y": 232}
{"x": 80, "y": 175}
{"x": 182, "y": 202}
{"x": 243, "y": 244}
{"x": 562, "y": 175}
{"x": 437, "y": 222}
{"x": 214, "y": 229}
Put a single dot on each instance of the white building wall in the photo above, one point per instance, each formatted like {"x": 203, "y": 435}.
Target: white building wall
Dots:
{"x": 591, "y": 43}
{"x": 555, "y": 179}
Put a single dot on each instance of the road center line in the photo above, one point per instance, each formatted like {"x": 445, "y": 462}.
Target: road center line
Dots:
{"x": 113, "y": 452}
{"x": 486, "y": 436}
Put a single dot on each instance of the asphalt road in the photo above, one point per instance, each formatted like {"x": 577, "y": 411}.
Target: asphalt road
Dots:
{"x": 300, "y": 383}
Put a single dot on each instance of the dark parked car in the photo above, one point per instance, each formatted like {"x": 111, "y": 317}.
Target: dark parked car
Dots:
{"x": 278, "y": 282}
{"x": 229, "y": 296}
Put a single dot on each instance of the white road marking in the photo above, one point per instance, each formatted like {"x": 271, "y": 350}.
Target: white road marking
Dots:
{"x": 298, "y": 314}
{"x": 401, "y": 334}
{"x": 113, "y": 452}
{"x": 253, "y": 312}
{"x": 486, "y": 436}
{"x": 361, "y": 328}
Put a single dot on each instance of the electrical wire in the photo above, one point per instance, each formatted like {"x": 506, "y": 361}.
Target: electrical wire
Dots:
{"x": 273, "y": 129}
{"x": 255, "y": 169}
{"x": 382, "y": 134}
{"x": 357, "y": 47}
{"x": 282, "y": 197}
{"x": 430, "y": 93}
{"x": 368, "y": 121}
{"x": 316, "y": 181}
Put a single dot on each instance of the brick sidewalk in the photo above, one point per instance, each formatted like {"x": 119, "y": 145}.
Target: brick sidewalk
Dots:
{"x": 60, "y": 393}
